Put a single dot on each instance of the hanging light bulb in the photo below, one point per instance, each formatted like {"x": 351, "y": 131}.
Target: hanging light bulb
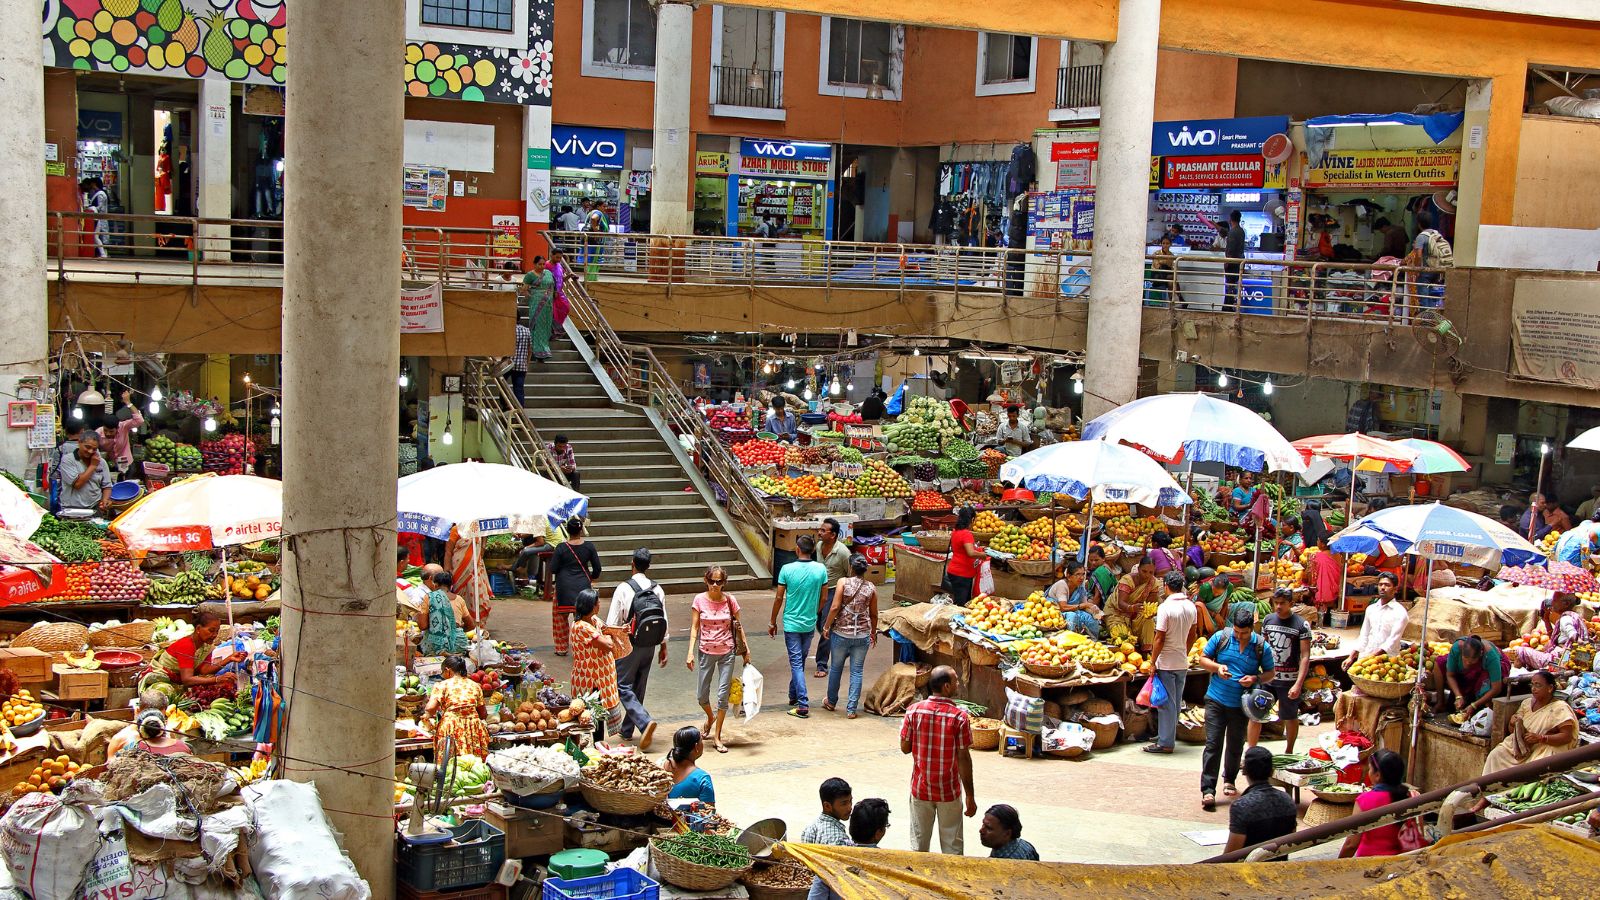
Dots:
{"x": 1077, "y": 385}
{"x": 155, "y": 393}
{"x": 276, "y": 429}
{"x": 77, "y": 412}
{"x": 1266, "y": 387}
{"x": 850, "y": 385}
{"x": 209, "y": 424}
{"x": 916, "y": 351}
{"x": 247, "y": 378}
{"x": 405, "y": 380}
{"x": 155, "y": 408}
{"x": 1222, "y": 379}
{"x": 790, "y": 384}
{"x": 807, "y": 395}
{"x": 834, "y": 387}
{"x": 447, "y": 438}
{"x": 276, "y": 411}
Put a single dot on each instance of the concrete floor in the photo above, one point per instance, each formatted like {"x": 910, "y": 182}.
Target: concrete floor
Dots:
{"x": 1115, "y": 806}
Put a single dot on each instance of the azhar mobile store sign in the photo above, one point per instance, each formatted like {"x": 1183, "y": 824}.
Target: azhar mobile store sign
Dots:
{"x": 785, "y": 159}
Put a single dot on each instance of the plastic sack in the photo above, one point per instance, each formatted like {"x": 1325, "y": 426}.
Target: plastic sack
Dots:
{"x": 985, "y": 579}
{"x": 1066, "y": 736}
{"x": 1153, "y": 694}
{"x": 1024, "y": 713}
{"x": 294, "y": 853}
{"x": 750, "y": 702}
{"x": 1478, "y": 725}
{"x": 49, "y": 840}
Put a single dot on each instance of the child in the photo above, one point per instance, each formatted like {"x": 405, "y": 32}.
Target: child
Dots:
{"x": 829, "y": 828}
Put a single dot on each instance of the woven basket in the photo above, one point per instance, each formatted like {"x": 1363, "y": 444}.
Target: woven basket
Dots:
{"x": 1333, "y": 797}
{"x": 1066, "y": 753}
{"x": 691, "y": 876}
{"x": 1215, "y": 559}
{"x": 984, "y": 537}
{"x": 1033, "y": 568}
{"x": 1035, "y": 512}
{"x": 131, "y": 635}
{"x": 621, "y": 803}
{"x": 1049, "y": 671}
{"x": 54, "y": 636}
{"x": 981, "y": 655}
{"x": 985, "y": 733}
{"x": 934, "y": 541}
{"x": 1383, "y": 690}
{"x": 1191, "y": 735}
{"x": 767, "y": 892}
{"x": 1074, "y": 524}
{"x": 1099, "y": 667}
{"x": 1105, "y": 734}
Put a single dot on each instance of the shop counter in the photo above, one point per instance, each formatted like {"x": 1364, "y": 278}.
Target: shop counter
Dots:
{"x": 1445, "y": 756}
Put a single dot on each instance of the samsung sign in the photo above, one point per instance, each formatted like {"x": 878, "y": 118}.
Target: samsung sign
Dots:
{"x": 573, "y": 147}
{"x": 1215, "y": 137}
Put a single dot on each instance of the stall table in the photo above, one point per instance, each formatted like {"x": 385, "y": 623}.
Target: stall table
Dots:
{"x": 1446, "y": 756}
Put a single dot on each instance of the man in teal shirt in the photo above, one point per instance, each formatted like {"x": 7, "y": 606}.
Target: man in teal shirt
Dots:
{"x": 800, "y": 586}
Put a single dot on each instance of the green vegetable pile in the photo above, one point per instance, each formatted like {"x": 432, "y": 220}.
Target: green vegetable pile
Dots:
{"x": 1284, "y": 506}
{"x": 972, "y": 468}
{"x": 197, "y": 560}
{"x": 1535, "y": 794}
{"x": 501, "y": 545}
{"x": 896, "y": 461}
{"x": 1208, "y": 508}
{"x": 713, "y": 850}
{"x": 959, "y": 449}
{"x": 948, "y": 468}
{"x": 72, "y": 542}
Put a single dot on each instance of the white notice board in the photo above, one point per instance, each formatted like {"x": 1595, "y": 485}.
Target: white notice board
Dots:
{"x": 450, "y": 145}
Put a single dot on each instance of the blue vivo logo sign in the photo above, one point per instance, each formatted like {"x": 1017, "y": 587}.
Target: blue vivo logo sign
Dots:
{"x": 784, "y": 149}
{"x": 585, "y": 148}
{"x": 1215, "y": 137}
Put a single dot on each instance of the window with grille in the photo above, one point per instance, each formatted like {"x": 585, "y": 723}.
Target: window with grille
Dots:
{"x": 489, "y": 15}
{"x": 1007, "y": 58}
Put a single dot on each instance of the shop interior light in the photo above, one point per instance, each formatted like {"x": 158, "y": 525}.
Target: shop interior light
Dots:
{"x": 155, "y": 393}
{"x": 1266, "y": 387}
{"x": 850, "y": 385}
{"x": 405, "y": 380}
{"x": 77, "y": 412}
{"x": 91, "y": 397}
{"x": 276, "y": 411}
{"x": 916, "y": 351}
{"x": 790, "y": 384}
{"x": 247, "y": 378}
{"x": 1077, "y": 382}
{"x": 276, "y": 430}
{"x": 447, "y": 438}
{"x": 834, "y": 388}
{"x": 1222, "y": 379}
{"x": 808, "y": 395}
{"x": 155, "y": 408}
{"x": 1544, "y": 449}
{"x": 209, "y": 424}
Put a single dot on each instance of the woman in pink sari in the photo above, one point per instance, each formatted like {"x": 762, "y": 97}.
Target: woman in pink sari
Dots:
{"x": 559, "y": 309}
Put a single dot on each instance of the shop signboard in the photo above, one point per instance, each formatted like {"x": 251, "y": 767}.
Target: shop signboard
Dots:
{"x": 1215, "y": 137}
{"x": 1555, "y": 334}
{"x": 1083, "y": 218}
{"x": 1368, "y": 169}
{"x": 1206, "y": 172}
{"x": 422, "y": 310}
{"x": 785, "y": 159}
{"x": 507, "y": 239}
{"x": 575, "y": 147}
{"x": 99, "y": 125}
{"x": 710, "y": 162}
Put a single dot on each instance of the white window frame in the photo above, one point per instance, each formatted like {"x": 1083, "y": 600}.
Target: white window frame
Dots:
{"x": 1027, "y": 85}
{"x": 592, "y": 69}
{"x": 1070, "y": 113}
{"x": 515, "y": 39}
{"x": 746, "y": 112}
{"x": 897, "y": 62}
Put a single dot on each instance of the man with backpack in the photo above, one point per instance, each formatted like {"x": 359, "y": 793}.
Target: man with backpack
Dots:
{"x": 1431, "y": 251}
{"x": 638, "y": 607}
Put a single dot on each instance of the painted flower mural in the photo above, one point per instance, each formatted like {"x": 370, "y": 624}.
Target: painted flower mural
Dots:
{"x": 246, "y": 41}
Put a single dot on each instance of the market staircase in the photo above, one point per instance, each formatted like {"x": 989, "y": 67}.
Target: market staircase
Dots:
{"x": 644, "y": 488}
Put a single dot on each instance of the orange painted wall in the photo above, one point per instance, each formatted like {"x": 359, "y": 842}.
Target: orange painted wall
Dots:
{"x": 1195, "y": 86}
{"x": 499, "y": 193}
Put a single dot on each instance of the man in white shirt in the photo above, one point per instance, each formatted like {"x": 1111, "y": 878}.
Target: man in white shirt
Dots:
{"x": 633, "y": 670}
{"x": 1014, "y": 436}
{"x": 1384, "y": 622}
{"x": 568, "y": 220}
{"x": 1176, "y": 618}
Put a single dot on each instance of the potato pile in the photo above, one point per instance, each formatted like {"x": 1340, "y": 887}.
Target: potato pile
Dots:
{"x": 532, "y": 716}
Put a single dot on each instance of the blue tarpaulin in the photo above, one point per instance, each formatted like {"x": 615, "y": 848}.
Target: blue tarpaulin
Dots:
{"x": 1438, "y": 126}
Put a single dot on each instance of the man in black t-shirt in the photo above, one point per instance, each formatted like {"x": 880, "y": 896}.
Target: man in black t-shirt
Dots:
{"x": 1289, "y": 636}
{"x": 1262, "y": 812}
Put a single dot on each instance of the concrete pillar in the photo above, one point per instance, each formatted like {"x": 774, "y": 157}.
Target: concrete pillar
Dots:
{"x": 1127, "y": 103}
{"x": 1475, "y": 139}
{"x": 214, "y": 172}
{"x": 23, "y": 314}
{"x": 670, "y": 212}
{"x": 341, "y": 355}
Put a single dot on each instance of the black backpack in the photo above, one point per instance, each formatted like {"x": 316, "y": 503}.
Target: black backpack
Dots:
{"x": 647, "y": 617}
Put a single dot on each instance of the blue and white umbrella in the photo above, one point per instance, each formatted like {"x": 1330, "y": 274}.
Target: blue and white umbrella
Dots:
{"x": 1111, "y": 472}
{"x": 1439, "y": 533}
{"x": 482, "y": 499}
{"x": 1197, "y": 428}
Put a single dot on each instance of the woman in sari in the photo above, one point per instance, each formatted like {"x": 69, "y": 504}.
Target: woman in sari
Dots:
{"x": 457, "y": 702}
{"x": 468, "y": 577}
{"x": 1071, "y": 596}
{"x": 1566, "y": 627}
{"x": 594, "y": 660}
{"x": 186, "y": 662}
{"x": 558, "y": 275}
{"x": 1543, "y": 726}
{"x": 1134, "y": 590}
{"x": 541, "y": 287}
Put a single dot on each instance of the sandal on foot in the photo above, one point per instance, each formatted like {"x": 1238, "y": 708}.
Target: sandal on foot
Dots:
{"x": 1208, "y": 802}
{"x": 830, "y": 707}
{"x": 1156, "y": 748}
{"x": 1229, "y": 790}
{"x": 720, "y": 747}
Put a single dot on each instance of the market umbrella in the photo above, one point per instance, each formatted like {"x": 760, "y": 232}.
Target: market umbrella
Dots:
{"x": 480, "y": 499}
{"x": 1351, "y": 448}
{"x": 1589, "y": 440}
{"x": 19, "y": 515}
{"x": 1560, "y": 577}
{"x": 1433, "y": 531}
{"x": 1433, "y": 458}
{"x": 1195, "y": 428}
{"x": 29, "y": 572}
{"x": 1107, "y": 472}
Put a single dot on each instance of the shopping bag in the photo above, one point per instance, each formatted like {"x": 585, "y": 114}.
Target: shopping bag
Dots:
{"x": 750, "y": 703}
{"x": 1153, "y": 694}
{"x": 985, "y": 579}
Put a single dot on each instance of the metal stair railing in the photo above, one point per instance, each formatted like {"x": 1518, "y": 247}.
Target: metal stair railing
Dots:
{"x": 506, "y": 421}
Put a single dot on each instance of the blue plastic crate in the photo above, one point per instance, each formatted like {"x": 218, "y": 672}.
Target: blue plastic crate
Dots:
{"x": 618, "y": 884}
{"x": 501, "y": 585}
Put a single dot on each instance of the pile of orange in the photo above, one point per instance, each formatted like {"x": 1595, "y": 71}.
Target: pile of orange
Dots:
{"x": 50, "y": 775}
{"x": 20, "y": 709}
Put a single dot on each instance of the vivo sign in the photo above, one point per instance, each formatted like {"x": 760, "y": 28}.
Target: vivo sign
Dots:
{"x": 585, "y": 148}
{"x": 784, "y": 149}
{"x": 1215, "y": 137}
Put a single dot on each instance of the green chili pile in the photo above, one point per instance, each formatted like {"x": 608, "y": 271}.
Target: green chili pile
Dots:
{"x": 713, "y": 850}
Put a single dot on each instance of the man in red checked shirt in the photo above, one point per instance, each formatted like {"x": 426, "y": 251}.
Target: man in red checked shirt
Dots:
{"x": 938, "y": 735}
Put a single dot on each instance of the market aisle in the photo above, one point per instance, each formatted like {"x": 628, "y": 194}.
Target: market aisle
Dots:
{"x": 1120, "y": 806}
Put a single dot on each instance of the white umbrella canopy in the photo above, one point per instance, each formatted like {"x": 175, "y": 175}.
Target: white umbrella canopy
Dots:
{"x": 1197, "y": 428}
{"x": 1112, "y": 472}
{"x": 203, "y": 513}
{"x": 19, "y": 515}
{"x": 483, "y": 498}
{"x": 1589, "y": 440}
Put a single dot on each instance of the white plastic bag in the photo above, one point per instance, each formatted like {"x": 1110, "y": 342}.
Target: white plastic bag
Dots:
{"x": 294, "y": 853}
{"x": 1479, "y": 724}
{"x": 49, "y": 840}
{"x": 1065, "y": 736}
{"x": 985, "y": 579}
{"x": 750, "y": 703}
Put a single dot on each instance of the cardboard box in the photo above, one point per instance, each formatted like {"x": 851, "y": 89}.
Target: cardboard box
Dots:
{"x": 877, "y": 574}
{"x": 81, "y": 684}
{"x": 30, "y": 664}
{"x": 528, "y": 832}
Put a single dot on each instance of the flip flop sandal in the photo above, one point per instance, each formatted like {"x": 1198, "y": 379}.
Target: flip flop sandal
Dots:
{"x": 1156, "y": 748}
{"x": 1208, "y": 802}
{"x": 721, "y": 747}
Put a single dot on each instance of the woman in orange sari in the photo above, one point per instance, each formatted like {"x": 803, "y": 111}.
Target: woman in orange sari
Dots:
{"x": 469, "y": 578}
{"x": 457, "y": 704}
{"x": 594, "y": 661}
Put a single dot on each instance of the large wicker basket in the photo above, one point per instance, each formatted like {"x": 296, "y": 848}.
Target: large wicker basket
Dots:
{"x": 985, "y": 733}
{"x": 1073, "y": 523}
{"x": 980, "y": 655}
{"x": 934, "y": 541}
{"x": 1035, "y": 512}
{"x": 131, "y": 635}
{"x": 1100, "y": 667}
{"x": 1105, "y": 733}
{"x": 1033, "y": 568}
{"x": 54, "y": 636}
{"x": 1049, "y": 671}
{"x": 692, "y": 876}
{"x": 622, "y": 803}
{"x": 1191, "y": 734}
{"x": 1066, "y": 753}
{"x": 984, "y": 537}
{"x": 1383, "y": 690}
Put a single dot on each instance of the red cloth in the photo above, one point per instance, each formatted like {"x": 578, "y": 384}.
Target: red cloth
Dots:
{"x": 182, "y": 650}
{"x": 413, "y": 544}
{"x": 961, "y": 564}
{"x": 1325, "y": 569}
{"x": 937, "y": 729}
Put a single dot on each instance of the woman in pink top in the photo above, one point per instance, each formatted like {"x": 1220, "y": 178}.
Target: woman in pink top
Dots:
{"x": 1388, "y": 769}
{"x": 117, "y": 435}
{"x": 713, "y": 622}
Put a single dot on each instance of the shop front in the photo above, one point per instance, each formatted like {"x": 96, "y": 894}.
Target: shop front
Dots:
{"x": 787, "y": 182}
{"x": 712, "y": 187}
{"x": 586, "y": 164}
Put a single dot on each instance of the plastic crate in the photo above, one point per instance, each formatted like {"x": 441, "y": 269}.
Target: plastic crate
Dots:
{"x": 501, "y": 585}
{"x": 484, "y": 892}
{"x": 473, "y": 858}
{"x": 619, "y": 884}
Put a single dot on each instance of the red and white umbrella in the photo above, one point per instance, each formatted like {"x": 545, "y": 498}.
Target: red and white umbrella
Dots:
{"x": 1357, "y": 446}
{"x": 204, "y": 513}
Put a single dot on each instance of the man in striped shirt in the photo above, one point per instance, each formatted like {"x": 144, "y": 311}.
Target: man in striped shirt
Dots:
{"x": 518, "y": 373}
{"x": 938, "y": 735}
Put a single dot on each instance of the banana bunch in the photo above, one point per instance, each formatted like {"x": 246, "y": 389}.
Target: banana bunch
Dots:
{"x": 185, "y": 588}
{"x": 1192, "y": 717}
{"x": 251, "y": 773}
{"x": 215, "y": 591}
{"x": 1150, "y": 610}
{"x": 180, "y": 721}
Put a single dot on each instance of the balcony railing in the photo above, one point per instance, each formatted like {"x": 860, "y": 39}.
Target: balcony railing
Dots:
{"x": 1077, "y": 87}
{"x": 748, "y": 87}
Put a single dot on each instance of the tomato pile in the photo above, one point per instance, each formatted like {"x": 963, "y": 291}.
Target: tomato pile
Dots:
{"x": 759, "y": 453}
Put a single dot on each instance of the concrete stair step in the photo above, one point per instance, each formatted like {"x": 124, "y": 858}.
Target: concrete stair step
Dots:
{"x": 542, "y": 401}
{"x": 633, "y": 501}
{"x": 618, "y": 471}
{"x": 552, "y": 389}
{"x": 620, "y": 554}
{"x": 633, "y": 529}
{"x": 605, "y": 539}
{"x": 693, "y": 584}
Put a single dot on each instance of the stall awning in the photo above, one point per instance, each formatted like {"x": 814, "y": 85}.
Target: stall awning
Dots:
{"x": 1437, "y": 126}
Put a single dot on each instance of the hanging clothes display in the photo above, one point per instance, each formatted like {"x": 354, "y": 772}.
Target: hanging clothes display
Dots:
{"x": 970, "y": 206}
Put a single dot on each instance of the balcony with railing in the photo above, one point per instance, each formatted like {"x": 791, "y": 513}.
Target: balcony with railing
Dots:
{"x": 747, "y": 92}
{"x": 1077, "y": 93}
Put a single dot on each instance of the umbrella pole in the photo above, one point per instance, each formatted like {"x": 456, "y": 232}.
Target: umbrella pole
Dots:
{"x": 1255, "y": 559}
{"x": 1422, "y": 653}
{"x": 1188, "y": 487}
{"x": 1349, "y": 514}
{"x": 1088, "y": 528}
{"x": 477, "y": 583}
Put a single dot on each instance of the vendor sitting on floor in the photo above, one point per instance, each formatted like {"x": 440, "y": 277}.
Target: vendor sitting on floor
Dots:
{"x": 149, "y": 730}
{"x": 444, "y": 617}
{"x": 187, "y": 662}
{"x": 689, "y": 781}
{"x": 1475, "y": 673}
{"x": 1071, "y": 594}
{"x": 1566, "y": 627}
{"x": 1215, "y": 598}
